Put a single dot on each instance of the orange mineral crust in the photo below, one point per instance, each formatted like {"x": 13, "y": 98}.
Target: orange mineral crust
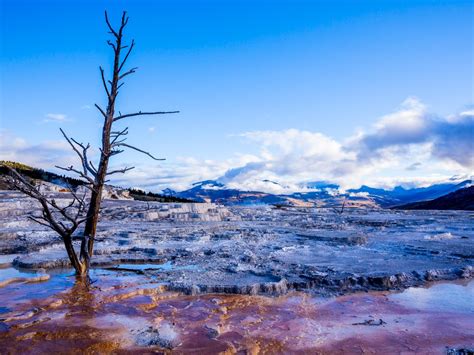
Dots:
{"x": 131, "y": 315}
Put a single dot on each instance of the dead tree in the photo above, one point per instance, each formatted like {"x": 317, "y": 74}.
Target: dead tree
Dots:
{"x": 113, "y": 142}
{"x": 341, "y": 210}
{"x": 64, "y": 220}
{"x": 93, "y": 176}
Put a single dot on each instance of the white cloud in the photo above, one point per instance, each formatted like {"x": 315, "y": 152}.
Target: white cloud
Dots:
{"x": 410, "y": 146}
{"x": 450, "y": 138}
{"x": 286, "y": 157}
{"x": 413, "y": 166}
{"x": 406, "y": 126}
{"x": 178, "y": 174}
{"x": 44, "y": 155}
{"x": 55, "y": 117}
{"x": 441, "y": 147}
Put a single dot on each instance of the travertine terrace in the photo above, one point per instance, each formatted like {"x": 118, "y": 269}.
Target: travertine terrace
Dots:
{"x": 205, "y": 248}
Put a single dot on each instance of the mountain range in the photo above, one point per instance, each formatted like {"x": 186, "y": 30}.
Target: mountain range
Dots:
{"x": 318, "y": 193}
{"x": 462, "y": 199}
{"x": 449, "y": 195}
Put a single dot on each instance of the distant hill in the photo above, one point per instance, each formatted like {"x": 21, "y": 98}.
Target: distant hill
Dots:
{"x": 321, "y": 194}
{"x": 141, "y": 195}
{"x": 68, "y": 182}
{"x": 316, "y": 193}
{"x": 38, "y": 174}
{"x": 214, "y": 191}
{"x": 462, "y": 199}
{"x": 400, "y": 195}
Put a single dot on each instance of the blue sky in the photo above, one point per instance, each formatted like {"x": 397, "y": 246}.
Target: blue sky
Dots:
{"x": 253, "y": 81}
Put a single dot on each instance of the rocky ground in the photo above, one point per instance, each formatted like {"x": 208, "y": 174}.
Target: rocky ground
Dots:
{"x": 205, "y": 248}
{"x": 201, "y": 278}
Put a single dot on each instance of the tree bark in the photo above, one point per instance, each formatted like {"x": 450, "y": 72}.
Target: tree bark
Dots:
{"x": 81, "y": 267}
{"x": 96, "y": 195}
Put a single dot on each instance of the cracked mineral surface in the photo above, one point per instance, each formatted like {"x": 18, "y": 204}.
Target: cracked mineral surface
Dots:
{"x": 202, "y": 278}
{"x": 206, "y": 248}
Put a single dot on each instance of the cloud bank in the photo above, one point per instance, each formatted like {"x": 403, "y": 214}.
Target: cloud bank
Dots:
{"x": 451, "y": 138}
{"x": 43, "y": 155}
{"x": 410, "y": 146}
{"x": 408, "y": 140}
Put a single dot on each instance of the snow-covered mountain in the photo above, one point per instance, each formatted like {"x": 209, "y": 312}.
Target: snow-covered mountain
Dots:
{"x": 318, "y": 193}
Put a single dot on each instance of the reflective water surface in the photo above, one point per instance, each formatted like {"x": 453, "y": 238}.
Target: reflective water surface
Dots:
{"x": 126, "y": 312}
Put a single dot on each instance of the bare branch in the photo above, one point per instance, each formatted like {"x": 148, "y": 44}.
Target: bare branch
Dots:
{"x": 78, "y": 172}
{"x": 115, "y": 152}
{"x": 93, "y": 167}
{"x": 112, "y": 45}
{"x": 82, "y": 156}
{"x": 47, "y": 219}
{"x": 63, "y": 212}
{"x": 138, "y": 150}
{"x": 122, "y": 171}
{"x": 104, "y": 82}
{"x": 39, "y": 221}
{"x": 81, "y": 145}
{"x": 101, "y": 111}
{"x": 140, "y": 113}
{"x": 118, "y": 142}
{"x": 124, "y": 19}
{"x": 71, "y": 144}
{"x": 123, "y": 132}
{"x": 109, "y": 25}
{"x": 131, "y": 71}
{"x": 123, "y": 24}
{"x": 126, "y": 55}
{"x": 117, "y": 134}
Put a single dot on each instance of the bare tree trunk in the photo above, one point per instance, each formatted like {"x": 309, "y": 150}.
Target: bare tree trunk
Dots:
{"x": 95, "y": 203}
{"x": 110, "y": 139}
{"x": 96, "y": 197}
{"x": 78, "y": 265}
